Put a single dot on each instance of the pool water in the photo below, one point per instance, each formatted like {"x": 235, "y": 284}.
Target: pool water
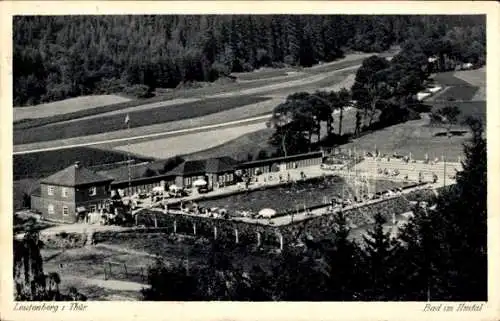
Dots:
{"x": 292, "y": 196}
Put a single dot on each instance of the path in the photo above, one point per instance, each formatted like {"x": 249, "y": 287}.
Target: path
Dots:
{"x": 116, "y": 285}
{"x": 124, "y": 250}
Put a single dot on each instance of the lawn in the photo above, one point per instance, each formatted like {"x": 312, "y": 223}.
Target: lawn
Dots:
{"x": 85, "y": 127}
{"x": 212, "y": 89}
{"x": 253, "y": 143}
{"x": 262, "y": 74}
{"x": 199, "y": 254}
{"x": 475, "y": 109}
{"x": 190, "y": 143}
{"x": 414, "y": 137}
{"x": 460, "y": 93}
{"x": 449, "y": 79}
{"x": 466, "y": 86}
{"x": 475, "y": 77}
{"x": 239, "y": 148}
{"x": 83, "y": 268}
{"x": 66, "y": 106}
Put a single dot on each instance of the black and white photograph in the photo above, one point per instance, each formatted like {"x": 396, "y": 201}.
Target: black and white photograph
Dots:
{"x": 250, "y": 157}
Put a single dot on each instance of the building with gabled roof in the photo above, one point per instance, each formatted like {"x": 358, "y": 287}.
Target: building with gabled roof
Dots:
{"x": 72, "y": 191}
{"x": 216, "y": 171}
{"x": 143, "y": 178}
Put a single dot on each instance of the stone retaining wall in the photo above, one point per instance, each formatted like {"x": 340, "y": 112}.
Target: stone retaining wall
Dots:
{"x": 242, "y": 232}
{"x": 63, "y": 240}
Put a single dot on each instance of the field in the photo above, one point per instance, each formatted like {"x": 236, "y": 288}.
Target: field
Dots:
{"x": 82, "y": 109}
{"x": 66, "y": 106}
{"x": 140, "y": 118}
{"x": 189, "y": 143}
{"x": 252, "y": 143}
{"x": 474, "y": 77}
{"x": 456, "y": 93}
{"x": 464, "y": 85}
{"x": 414, "y": 137}
{"x": 240, "y": 147}
{"x": 475, "y": 109}
{"x": 83, "y": 268}
{"x": 68, "y": 130}
{"x": 42, "y": 164}
{"x": 468, "y": 96}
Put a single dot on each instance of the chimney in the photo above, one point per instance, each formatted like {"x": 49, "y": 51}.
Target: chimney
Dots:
{"x": 77, "y": 164}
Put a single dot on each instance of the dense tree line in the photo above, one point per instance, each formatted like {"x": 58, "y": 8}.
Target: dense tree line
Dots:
{"x": 440, "y": 254}
{"x": 56, "y": 57}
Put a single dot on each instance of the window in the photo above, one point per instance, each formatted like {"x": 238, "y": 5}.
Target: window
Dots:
{"x": 50, "y": 209}
{"x": 50, "y": 190}
{"x": 64, "y": 192}
{"x": 93, "y": 209}
{"x": 93, "y": 191}
{"x": 65, "y": 210}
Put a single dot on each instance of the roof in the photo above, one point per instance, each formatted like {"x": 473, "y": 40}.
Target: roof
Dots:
{"x": 137, "y": 172}
{"x": 281, "y": 159}
{"x": 121, "y": 173}
{"x": 202, "y": 166}
{"x": 75, "y": 175}
{"x": 220, "y": 165}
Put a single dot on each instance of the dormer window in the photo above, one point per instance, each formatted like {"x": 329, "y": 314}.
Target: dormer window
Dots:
{"x": 50, "y": 190}
{"x": 93, "y": 191}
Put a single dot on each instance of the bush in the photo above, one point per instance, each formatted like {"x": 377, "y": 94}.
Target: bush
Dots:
{"x": 290, "y": 60}
{"x": 112, "y": 85}
{"x": 139, "y": 91}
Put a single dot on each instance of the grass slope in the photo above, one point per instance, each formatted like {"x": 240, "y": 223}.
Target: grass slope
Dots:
{"x": 140, "y": 118}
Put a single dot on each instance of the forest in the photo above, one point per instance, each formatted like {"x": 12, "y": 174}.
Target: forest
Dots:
{"x": 57, "y": 57}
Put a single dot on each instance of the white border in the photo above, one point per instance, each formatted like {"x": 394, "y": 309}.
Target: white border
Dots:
{"x": 250, "y": 311}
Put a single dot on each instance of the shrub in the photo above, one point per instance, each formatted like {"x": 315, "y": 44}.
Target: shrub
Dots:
{"x": 290, "y": 60}
{"x": 139, "y": 91}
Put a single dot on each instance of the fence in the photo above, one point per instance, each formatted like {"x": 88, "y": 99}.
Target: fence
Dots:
{"x": 123, "y": 271}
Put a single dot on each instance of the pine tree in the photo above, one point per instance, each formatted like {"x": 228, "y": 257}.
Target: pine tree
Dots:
{"x": 378, "y": 257}
{"x": 343, "y": 259}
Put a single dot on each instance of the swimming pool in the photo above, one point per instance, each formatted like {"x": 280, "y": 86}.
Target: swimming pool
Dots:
{"x": 291, "y": 196}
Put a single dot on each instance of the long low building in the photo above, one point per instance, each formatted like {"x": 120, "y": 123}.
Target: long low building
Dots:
{"x": 77, "y": 190}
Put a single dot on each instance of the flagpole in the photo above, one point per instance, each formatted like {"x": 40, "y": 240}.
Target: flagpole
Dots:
{"x": 127, "y": 120}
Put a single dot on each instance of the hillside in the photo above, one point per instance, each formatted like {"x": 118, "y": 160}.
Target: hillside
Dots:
{"x": 57, "y": 57}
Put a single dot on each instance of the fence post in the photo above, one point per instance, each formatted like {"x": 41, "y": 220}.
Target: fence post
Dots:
{"x": 215, "y": 232}
{"x": 258, "y": 239}
{"x": 236, "y": 236}
{"x": 125, "y": 268}
{"x": 156, "y": 221}
{"x": 175, "y": 227}
{"x": 280, "y": 238}
{"x": 194, "y": 228}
